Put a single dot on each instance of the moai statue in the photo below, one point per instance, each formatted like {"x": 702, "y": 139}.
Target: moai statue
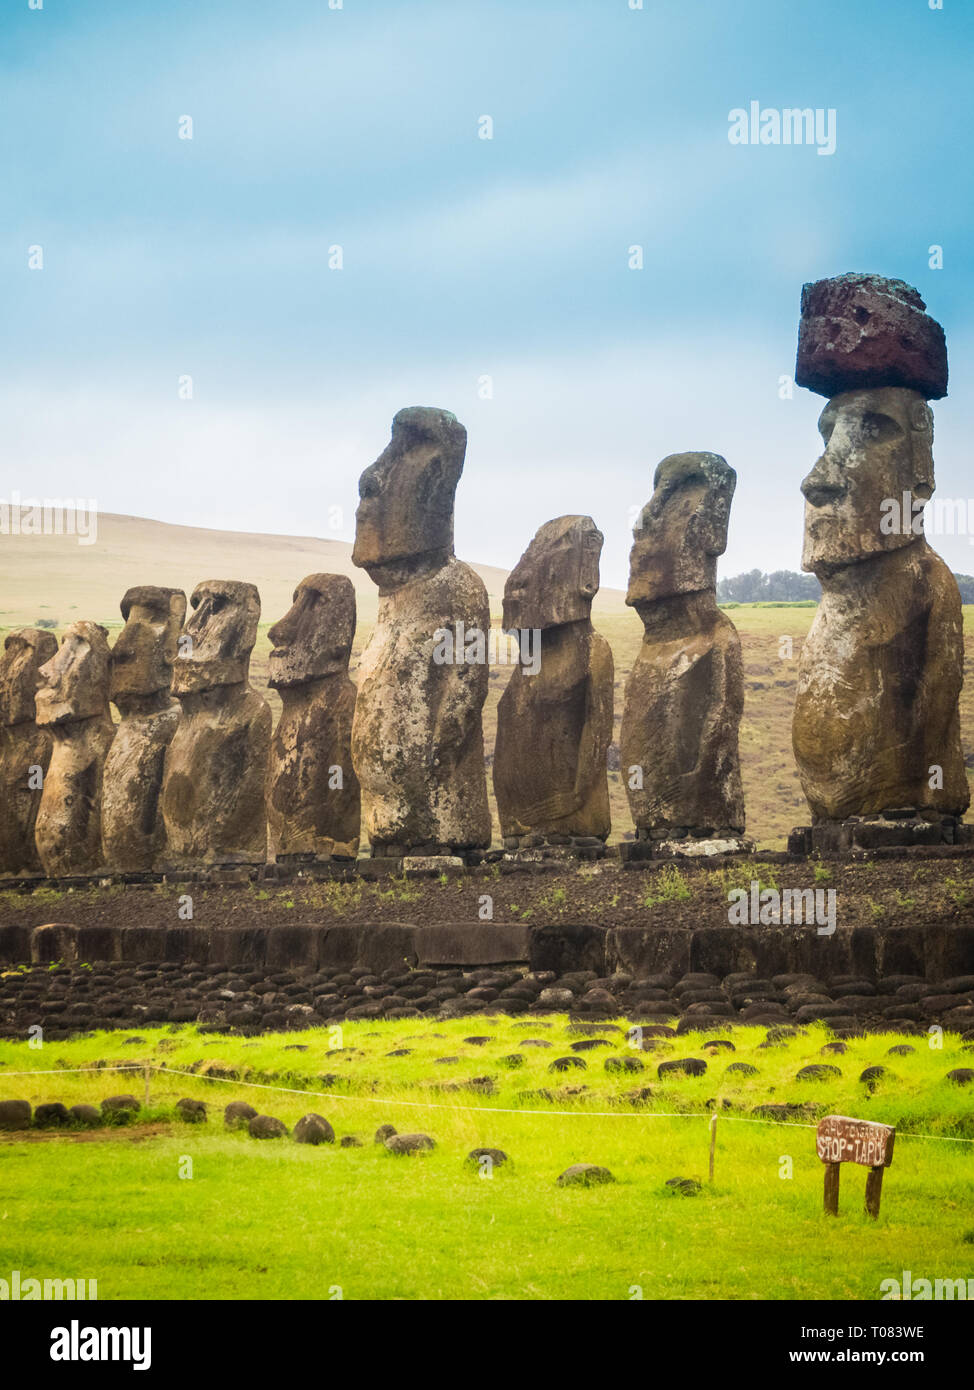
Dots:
{"x": 876, "y": 729}
{"x": 417, "y": 737}
{"x": 72, "y": 701}
{"x": 216, "y": 764}
{"x": 313, "y": 801}
{"x": 554, "y": 722}
{"x": 25, "y": 749}
{"x": 685, "y": 696}
{"x": 132, "y": 831}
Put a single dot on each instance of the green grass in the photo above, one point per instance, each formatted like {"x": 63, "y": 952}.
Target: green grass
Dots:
{"x": 279, "y": 1220}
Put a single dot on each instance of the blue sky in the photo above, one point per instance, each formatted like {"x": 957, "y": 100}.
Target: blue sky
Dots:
{"x": 463, "y": 258}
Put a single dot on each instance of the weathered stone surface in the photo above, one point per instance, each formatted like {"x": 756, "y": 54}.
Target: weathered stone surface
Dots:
{"x": 417, "y": 736}
{"x": 313, "y": 799}
{"x": 554, "y": 723}
{"x": 861, "y": 331}
{"x": 141, "y": 676}
{"x": 72, "y": 702}
{"x": 192, "y": 1111}
{"x": 14, "y": 1114}
{"x": 685, "y": 695}
{"x": 409, "y": 1143}
{"x": 313, "y": 1129}
{"x": 85, "y": 1115}
{"x": 880, "y": 672}
{"x": 216, "y": 764}
{"x": 584, "y": 1175}
{"x": 25, "y": 749}
{"x": 486, "y": 1160}
{"x": 237, "y": 1114}
{"x": 266, "y": 1127}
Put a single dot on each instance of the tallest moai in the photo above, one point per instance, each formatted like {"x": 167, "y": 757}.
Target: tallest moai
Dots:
{"x": 876, "y": 730}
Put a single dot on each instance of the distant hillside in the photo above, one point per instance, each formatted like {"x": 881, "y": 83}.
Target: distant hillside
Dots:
{"x": 55, "y": 578}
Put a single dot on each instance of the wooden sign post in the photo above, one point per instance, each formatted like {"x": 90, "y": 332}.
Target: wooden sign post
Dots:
{"x": 841, "y": 1140}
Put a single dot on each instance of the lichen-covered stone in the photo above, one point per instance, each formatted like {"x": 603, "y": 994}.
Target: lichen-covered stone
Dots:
{"x": 216, "y": 764}
{"x": 25, "y": 749}
{"x": 133, "y": 834}
{"x": 417, "y": 736}
{"x": 863, "y": 331}
{"x": 72, "y": 701}
{"x": 685, "y": 695}
{"x": 554, "y": 723}
{"x": 313, "y": 799}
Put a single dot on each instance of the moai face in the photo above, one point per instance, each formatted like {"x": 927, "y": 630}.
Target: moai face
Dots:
{"x": 314, "y": 639}
{"x": 143, "y": 656}
{"x": 557, "y": 577}
{"x": 24, "y": 653}
{"x": 407, "y": 495}
{"x": 74, "y": 683}
{"x": 682, "y": 529}
{"x": 878, "y": 445}
{"x": 215, "y": 644}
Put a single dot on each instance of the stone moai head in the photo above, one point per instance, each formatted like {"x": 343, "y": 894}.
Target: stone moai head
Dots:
{"x": 215, "y": 645}
{"x": 865, "y": 342}
{"x": 682, "y": 529}
{"x": 878, "y": 446}
{"x": 407, "y": 495}
{"x": 143, "y": 656}
{"x": 314, "y": 638}
{"x": 557, "y": 577}
{"x": 25, "y": 651}
{"x": 74, "y": 682}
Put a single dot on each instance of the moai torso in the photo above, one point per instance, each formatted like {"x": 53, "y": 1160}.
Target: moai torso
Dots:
{"x": 313, "y": 800}
{"x": 216, "y": 764}
{"x": 417, "y": 738}
{"x": 685, "y": 695}
{"x": 25, "y": 749}
{"x": 554, "y": 726}
{"x": 133, "y": 834}
{"x": 876, "y": 723}
{"x": 73, "y": 703}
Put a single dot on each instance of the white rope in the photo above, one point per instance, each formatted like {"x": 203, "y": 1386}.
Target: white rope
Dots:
{"x": 472, "y": 1109}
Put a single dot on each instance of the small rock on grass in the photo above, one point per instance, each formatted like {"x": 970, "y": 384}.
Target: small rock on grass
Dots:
{"x": 119, "y": 1109}
{"x": 486, "y": 1159}
{"x": 266, "y": 1127}
{"x": 237, "y": 1114}
{"x": 683, "y": 1187}
{"x": 961, "y": 1076}
{"x": 410, "y": 1143}
{"x": 313, "y": 1129}
{"x": 85, "y": 1115}
{"x": 351, "y": 1141}
{"x": 15, "y": 1114}
{"x": 51, "y": 1115}
{"x": 584, "y": 1175}
{"x": 192, "y": 1111}
{"x": 384, "y": 1132}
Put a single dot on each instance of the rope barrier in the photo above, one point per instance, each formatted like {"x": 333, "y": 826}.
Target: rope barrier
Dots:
{"x": 472, "y": 1109}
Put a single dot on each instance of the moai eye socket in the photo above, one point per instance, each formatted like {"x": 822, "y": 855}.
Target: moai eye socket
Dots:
{"x": 880, "y": 428}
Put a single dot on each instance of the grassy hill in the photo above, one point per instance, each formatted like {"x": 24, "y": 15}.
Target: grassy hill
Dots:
{"x": 56, "y": 579}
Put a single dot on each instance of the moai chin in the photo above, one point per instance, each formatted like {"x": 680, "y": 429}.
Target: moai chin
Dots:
{"x": 72, "y": 702}
{"x": 216, "y": 764}
{"x": 313, "y": 800}
{"x": 685, "y": 694}
{"x": 25, "y": 748}
{"x": 417, "y": 736}
{"x": 876, "y": 729}
{"x": 132, "y": 830}
{"x": 554, "y": 720}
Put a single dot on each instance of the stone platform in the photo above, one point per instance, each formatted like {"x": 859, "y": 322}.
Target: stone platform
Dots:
{"x": 262, "y": 978}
